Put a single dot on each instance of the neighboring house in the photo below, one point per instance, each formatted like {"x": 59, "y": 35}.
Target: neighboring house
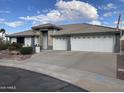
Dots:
{"x": 2, "y": 35}
{"x": 72, "y": 37}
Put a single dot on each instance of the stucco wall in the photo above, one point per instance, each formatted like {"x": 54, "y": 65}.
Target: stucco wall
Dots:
{"x": 36, "y": 40}
{"x": 27, "y": 41}
{"x": 50, "y": 39}
{"x": 41, "y": 39}
{"x": 13, "y": 40}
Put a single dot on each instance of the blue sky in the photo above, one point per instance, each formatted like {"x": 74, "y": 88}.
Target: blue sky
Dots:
{"x": 20, "y": 15}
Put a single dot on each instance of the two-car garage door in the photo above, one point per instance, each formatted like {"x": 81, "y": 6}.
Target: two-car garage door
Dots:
{"x": 97, "y": 44}
{"x": 89, "y": 43}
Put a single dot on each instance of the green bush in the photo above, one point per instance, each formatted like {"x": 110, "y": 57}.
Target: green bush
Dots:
{"x": 26, "y": 50}
{"x": 12, "y": 48}
{"x": 15, "y": 46}
{"x": 4, "y": 46}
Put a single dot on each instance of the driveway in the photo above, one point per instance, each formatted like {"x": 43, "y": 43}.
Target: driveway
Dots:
{"x": 90, "y": 71}
{"x": 100, "y": 63}
{"x": 19, "y": 80}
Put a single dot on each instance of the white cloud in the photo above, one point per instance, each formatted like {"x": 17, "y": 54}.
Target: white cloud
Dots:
{"x": 77, "y": 9}
{"x": 14, "y": 24}
{"x": 4, "y": 12}
{"x": 108, "y": 14}
{"x": 95, "y": 22}
{"x": 52, "y": 16}
{"x": 121, "y": 24}
{"x": 46, "y": 10}
{"x": 67, "y": 10}
{"x": 108, "y": 6}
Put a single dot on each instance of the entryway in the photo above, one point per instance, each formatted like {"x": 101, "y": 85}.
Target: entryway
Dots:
{"x": 45, "y": 40}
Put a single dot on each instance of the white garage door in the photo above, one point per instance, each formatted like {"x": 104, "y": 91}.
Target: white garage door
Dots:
{"x": 97, "y": 44}
{"x": 59, "y": 43}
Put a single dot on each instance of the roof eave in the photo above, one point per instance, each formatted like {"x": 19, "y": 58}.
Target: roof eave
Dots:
{"x": 46, "y": 27}
{"x": 88, "y": 33}
{"x": 20, "y": 35}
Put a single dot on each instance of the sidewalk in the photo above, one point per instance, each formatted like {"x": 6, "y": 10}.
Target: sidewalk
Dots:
{"x": 86, "y": 80}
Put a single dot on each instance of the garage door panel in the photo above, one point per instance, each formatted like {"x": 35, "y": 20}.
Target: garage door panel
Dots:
{"x": 97, "y": 44}
{"x": 59, "y": 44}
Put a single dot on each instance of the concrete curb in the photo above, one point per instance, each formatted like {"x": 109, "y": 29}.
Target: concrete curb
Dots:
{"x": 86, "y": 80}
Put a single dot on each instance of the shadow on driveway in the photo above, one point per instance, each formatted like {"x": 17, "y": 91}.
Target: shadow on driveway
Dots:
{"x": 19, "y": 80}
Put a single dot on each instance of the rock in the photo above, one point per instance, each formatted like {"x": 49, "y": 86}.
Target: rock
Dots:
{"x": 14, "y": 52}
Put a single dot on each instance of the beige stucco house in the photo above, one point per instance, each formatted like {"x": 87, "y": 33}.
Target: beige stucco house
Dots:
{"x": 71, "y": 37}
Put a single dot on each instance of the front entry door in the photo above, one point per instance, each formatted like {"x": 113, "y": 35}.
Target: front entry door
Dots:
{"x": 45, "y": 40}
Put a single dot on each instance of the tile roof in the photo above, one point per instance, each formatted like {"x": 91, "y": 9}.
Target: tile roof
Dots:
{"x": 69, "y": 29}
{"x": 24, "y": 33}
{"x": 83, "y": 28}
{"x": 46, "y": 26}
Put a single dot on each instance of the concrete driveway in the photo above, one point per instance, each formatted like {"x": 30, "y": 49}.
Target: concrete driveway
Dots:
{"x": 100, "y": 63}
{"x": 90, "y": 71}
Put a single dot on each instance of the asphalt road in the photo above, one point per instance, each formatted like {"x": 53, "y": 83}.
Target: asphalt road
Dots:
{"x": 19, "y": 80}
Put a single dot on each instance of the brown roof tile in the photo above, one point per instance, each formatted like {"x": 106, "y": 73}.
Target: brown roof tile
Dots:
{"x": 24, "y": 33}
{"x": 46, "y": 26}
{"x": 68, "y": 29}
{"x": 83, "y": 28}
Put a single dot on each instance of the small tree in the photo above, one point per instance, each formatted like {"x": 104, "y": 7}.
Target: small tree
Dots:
{"x": 3, "y": 31}
{"x": 1, "y": 40}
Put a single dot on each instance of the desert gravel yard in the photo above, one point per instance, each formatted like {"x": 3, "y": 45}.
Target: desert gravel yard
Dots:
{"x": 4, "y": 54}
{"x": 19, "y": 80}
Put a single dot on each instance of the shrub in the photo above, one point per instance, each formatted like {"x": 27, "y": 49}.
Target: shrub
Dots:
{"x": 15, "y": 46}
{"x": 12, "y": 48}
{"x": 4, "y": 46}
{"x": 26, "y": 50}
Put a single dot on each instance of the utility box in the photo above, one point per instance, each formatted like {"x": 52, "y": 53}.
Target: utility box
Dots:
{"x": 37, "y": 49}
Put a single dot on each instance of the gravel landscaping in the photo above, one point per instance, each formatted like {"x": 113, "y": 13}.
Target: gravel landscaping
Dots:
{"x": 5, "y": 54}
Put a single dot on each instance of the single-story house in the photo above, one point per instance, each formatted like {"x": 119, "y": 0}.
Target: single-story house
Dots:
{"x": 71, "y": 37}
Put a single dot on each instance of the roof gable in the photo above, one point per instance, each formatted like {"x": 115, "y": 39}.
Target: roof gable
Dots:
{"x": 46, "y": 26}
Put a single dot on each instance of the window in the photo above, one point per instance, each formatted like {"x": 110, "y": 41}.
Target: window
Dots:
{"x": 20, "y": 40}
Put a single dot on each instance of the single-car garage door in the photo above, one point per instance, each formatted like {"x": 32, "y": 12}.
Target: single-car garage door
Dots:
{"x": 92, "y": 43}
{"x": 59, "y": 43}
